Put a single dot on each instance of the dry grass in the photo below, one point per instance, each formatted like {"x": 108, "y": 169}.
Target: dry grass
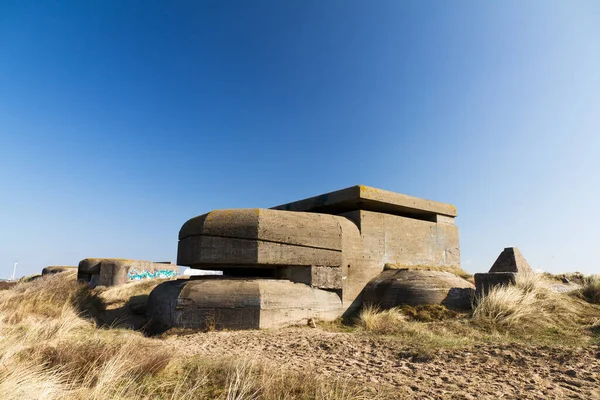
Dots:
{"x": 526, "y": 312}
{"x": 423, "y": 338}
{"x": 49, "y": 350}
{"x": 453, "y": 270}
{"x": 230, "y": 378}
{"x": 372, "y": 319}
{"x": 47, "y": 297}
{"x": 532, "y": 311}
{"x": 125, "y": 305}
{"x": 590, "y": 289}
{"x": 29, "y": 381}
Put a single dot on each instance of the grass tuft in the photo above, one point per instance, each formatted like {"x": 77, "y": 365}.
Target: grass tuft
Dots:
{"x": 590, "y": 289}
{"x": 372, "y": 319}
{"x": 530, "y": 310}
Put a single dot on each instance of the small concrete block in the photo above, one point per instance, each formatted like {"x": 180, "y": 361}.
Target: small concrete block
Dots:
{"x": 485, "y": 282}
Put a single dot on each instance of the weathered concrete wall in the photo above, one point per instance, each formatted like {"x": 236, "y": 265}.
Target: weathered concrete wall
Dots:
{"x": 116, "y": 271}
{"x": 394, "y": 239}
{"x": 237, "y": 304}
{"x": 386, "y": 238}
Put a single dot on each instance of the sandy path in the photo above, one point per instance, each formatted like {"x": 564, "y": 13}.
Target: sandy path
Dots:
{"x": 482, "y": 372}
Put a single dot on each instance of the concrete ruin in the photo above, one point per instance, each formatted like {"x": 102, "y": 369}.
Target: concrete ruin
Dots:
{"x": 306, "y": 259}
{"x": 56, "y": 269}
{"x": 117, "y": 271}
{"x": 504, "y": 271}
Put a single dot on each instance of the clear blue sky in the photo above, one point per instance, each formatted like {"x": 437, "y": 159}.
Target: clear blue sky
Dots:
{"x": 120, "y": 120}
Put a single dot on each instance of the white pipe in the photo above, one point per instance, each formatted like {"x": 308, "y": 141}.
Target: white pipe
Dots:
{"x": 12, "y": 278}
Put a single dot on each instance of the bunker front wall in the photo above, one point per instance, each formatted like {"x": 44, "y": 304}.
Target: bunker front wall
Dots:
{"x": 404, "y": 241}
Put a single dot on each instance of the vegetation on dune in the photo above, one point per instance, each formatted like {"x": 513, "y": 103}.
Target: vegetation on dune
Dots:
{"x": 590, "y": 289}
{"x": 55, "y": 342}
{"x": 531, "y": 310}
{"x": 51, "y": 348}
{"x": 48, "y": 297}
{"x": 526, "y": 312}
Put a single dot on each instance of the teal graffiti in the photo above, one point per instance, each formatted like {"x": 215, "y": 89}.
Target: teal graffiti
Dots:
{"x": 135, "y": 275}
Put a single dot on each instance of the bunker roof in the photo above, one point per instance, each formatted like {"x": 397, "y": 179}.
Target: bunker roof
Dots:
{"x": 361, "y": 197}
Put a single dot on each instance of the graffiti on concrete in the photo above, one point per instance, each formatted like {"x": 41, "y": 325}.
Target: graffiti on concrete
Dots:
{"x": 135, "y": 275}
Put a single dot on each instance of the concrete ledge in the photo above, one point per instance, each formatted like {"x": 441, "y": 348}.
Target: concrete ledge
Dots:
{"x": 368, "y": 198}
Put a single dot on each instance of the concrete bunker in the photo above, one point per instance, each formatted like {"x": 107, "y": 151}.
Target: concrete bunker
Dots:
{"x": 117, "y": 271}
{"x": 306, "y": 259}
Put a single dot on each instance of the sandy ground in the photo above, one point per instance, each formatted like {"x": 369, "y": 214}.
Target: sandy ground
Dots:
{"x": 486, "y": 371}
